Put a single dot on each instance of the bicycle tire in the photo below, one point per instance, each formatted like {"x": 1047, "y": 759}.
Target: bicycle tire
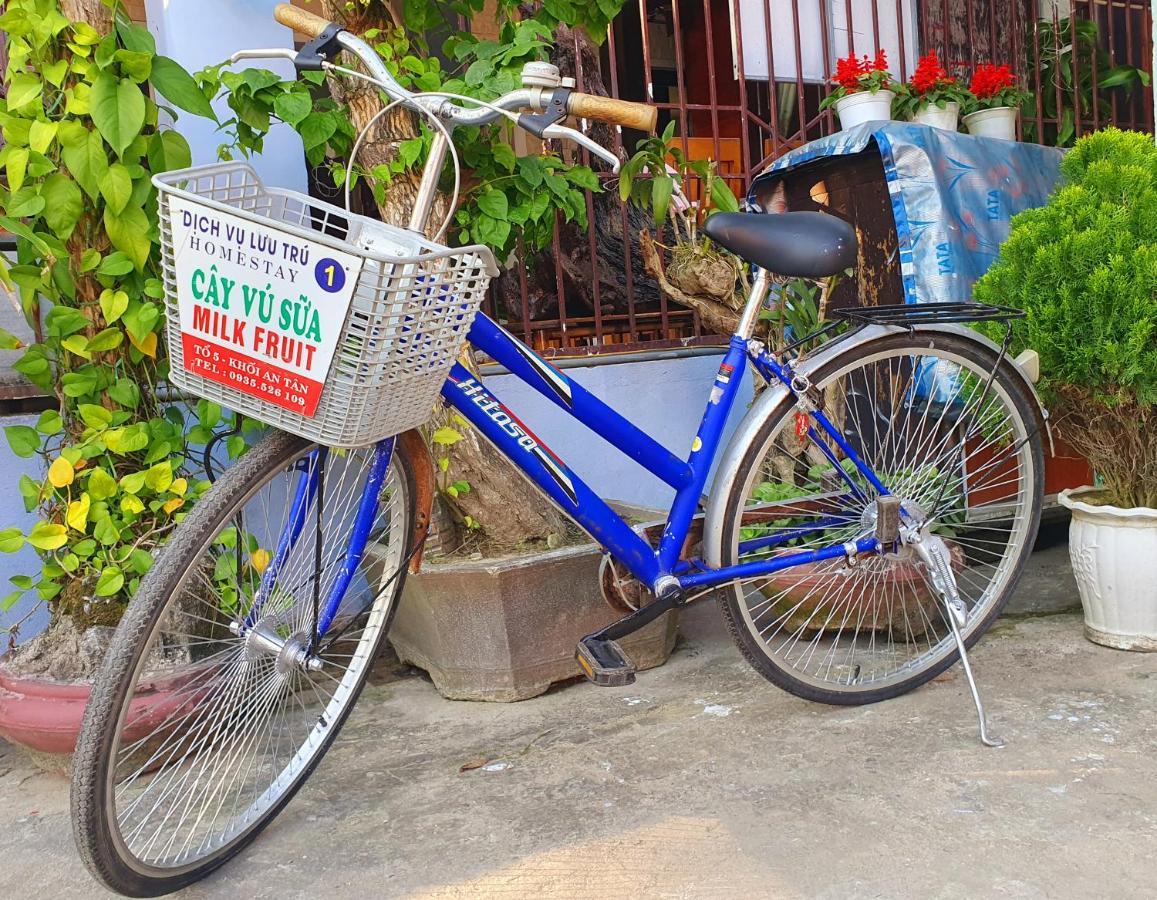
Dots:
{"x": 732, "y": 599}
{"x": 95, "y": 830}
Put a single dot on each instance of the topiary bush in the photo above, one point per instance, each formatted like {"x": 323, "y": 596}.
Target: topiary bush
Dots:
{"x": 1084, "y": 267}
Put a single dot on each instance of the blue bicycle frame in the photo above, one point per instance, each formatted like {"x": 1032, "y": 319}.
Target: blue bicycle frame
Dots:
{"x": 542, "y": 466}
{"x": 688, "y": 477}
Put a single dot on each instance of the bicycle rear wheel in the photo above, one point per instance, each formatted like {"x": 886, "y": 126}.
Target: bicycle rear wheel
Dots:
{"x": 921, "y": 410}
{"x": 206, "y": 717}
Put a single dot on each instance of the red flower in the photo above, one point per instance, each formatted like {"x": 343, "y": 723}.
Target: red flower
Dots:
{"x": 848, "y": 72}
{"x": 989, "y": 80}
{"x": 852, "y": 70}
{"x": 930, "y": 74}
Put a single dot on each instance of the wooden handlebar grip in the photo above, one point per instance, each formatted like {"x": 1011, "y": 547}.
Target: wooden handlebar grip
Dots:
{"x": 301, "y": 20}
{"x": 616, "y": 112}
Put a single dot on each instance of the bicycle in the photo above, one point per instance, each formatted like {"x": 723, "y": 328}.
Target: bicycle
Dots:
{"x": 868, "y": 520}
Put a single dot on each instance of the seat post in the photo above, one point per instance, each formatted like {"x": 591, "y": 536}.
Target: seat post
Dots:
{"x": 755, "y": 298}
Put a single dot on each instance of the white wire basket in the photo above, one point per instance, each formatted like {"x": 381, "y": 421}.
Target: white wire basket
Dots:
{"x": 411, "y": 308}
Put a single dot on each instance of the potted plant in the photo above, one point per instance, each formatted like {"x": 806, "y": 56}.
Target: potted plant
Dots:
{"x": 81, "y": 141}
{"x": 932, "y": 96}
{"x": 1083, "y": 268}
{"x": 863, "y": 90}
{"x": 993, "y": 102}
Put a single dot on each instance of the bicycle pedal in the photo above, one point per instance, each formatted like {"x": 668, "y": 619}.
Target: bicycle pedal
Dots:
{"x": 604, "y": 663}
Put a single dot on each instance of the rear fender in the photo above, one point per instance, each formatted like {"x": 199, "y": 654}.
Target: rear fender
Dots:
{"x": 777, "y": 395}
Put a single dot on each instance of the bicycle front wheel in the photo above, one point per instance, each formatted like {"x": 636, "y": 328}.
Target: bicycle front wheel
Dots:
{"x": 955, "y": 445}
{"x": 210, "y": 712}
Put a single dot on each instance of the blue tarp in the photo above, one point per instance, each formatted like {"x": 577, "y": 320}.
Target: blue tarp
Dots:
{"x": 952, "y": 196}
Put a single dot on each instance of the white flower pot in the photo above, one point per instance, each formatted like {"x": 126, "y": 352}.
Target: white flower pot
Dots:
{"x": 1114, "y": 556}
{"x": 998, "y": 122}
{"x": 937, "y": 117}
{"x": 864, "y": 106}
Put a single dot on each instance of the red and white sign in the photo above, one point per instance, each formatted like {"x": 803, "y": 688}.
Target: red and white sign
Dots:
{"x": 260, "y": 310}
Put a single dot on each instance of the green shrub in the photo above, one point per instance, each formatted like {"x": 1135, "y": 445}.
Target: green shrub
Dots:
{"x": 1084, "y": 267}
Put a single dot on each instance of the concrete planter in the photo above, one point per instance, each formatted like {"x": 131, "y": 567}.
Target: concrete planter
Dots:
{"x": 506, "y": 629}
{"x": 1114, "y": 557}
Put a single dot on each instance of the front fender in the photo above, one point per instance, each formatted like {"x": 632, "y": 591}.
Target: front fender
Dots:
{"x": 412, "y": 445}
{"x": 777, "y": 394}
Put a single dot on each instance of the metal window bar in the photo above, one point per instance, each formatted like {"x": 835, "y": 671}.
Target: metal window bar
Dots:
{"x": 743, "y": 80}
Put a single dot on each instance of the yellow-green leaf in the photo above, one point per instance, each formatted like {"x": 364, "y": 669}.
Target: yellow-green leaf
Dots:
{"x": 116, "y": 186}
{"x": 129, "y": 233}
{"x": 159, "y": 477}
{"x": 16, "y": 165}
{"x": 41, "y": 135}
{"x": 109, "y": 339}
{"x": 78, "y": 344}
{"x": 11, "y": 540}
{"x": 133, "y": 482}
{"x": 63, "y": 204}
{"x": 113, "y": 304}
{"x": 446, "y": 436}
{"x": 118, "y": 110}
{"x": 101, "y": 485}
{"x": 132, "y": 504}
{"x": 23, "y": 88}
{"x": 45, "y": 536}
{"x": 94, "y": 416}
{"x": 111, "y": 580}
{"x": 61, "y": 473}
{"x": 179, "y": 486}
{"x": 148, "y": 346}
{"x": 77, "y": 516}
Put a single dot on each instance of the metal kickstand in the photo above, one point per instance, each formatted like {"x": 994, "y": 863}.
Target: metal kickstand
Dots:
{"x": 934, "y": 554}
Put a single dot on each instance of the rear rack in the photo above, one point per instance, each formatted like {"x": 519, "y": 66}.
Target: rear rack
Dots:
{"x": 908, "y": 315}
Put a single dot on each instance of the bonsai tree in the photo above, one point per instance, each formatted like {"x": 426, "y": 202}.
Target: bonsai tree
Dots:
{"x": 81, "y": 141}
{"x": 1084, "y": 267}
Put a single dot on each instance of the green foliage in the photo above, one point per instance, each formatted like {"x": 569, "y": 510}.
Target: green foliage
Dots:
{"x": 81, "y": 142}
{"x": 649, "y": 178}
{"x": 1050, "y": 50}
{"x": 1084, "y": 267}
{"x": 505, "y": 198}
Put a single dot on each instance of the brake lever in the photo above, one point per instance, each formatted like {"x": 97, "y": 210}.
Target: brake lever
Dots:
{"x": 561, "y": 131}
{"x": 270, "y": 53}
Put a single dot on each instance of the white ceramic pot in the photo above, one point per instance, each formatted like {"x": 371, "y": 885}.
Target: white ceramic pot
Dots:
{"x": 864, "y": 106}
{"x": 1114, "y": 556}
{"x": 998, "y": 122}
{"x": 937, "y": 117}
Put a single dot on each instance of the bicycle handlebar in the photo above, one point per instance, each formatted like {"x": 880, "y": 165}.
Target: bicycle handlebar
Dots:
{"x": 615, "y": 112}
{"x": 299, "y": 19}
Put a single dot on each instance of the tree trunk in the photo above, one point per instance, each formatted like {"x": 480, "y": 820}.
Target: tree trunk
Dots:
{"x": 93, "y": 12}
{"x": 510, "y": 512}
{"x": 380, "y": 146}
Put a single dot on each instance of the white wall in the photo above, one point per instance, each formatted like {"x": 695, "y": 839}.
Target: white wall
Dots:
{"x": 665, "y": 398}
{"x": 199, "y": 33}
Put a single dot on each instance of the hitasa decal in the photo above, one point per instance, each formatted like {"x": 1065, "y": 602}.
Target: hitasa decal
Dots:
{"x": 508, "y": 422}
{"x": 557, "y": 381}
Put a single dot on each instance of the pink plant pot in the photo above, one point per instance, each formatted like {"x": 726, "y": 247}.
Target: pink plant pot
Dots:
{"x": 816, "y": 597}
{"x": 45, "y": 716}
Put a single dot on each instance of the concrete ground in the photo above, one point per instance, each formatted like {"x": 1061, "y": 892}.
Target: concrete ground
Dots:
{"x": 702, "y": 780}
